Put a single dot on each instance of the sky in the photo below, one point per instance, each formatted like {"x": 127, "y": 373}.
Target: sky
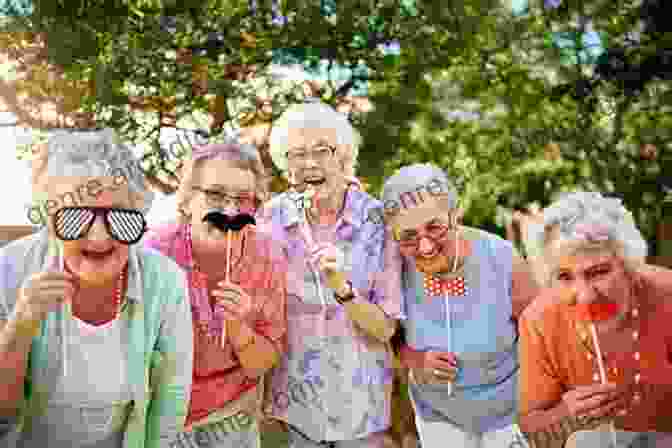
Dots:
{"x": 15, "y": 182}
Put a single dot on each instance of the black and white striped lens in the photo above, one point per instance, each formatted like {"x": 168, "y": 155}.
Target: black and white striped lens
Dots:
{"x": 125, "y": 226}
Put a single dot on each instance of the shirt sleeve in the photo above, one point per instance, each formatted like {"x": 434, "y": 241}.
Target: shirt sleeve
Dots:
{"x": 539, "y": 387}
{"x": 387, "y": 284}
{"x": 172, "y": 367}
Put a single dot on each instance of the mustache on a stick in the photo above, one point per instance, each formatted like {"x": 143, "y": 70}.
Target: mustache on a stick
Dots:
{"x": 224, "y": 222}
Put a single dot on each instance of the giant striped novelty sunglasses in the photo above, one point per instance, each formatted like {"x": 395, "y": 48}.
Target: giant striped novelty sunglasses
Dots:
{"x": 124, "y": 225}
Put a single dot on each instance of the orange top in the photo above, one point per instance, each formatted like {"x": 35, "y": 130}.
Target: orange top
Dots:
{"x": 555, "y": 355}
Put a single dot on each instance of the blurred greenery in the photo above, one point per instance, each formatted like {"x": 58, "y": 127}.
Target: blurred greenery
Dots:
{"x": 515, "y": 107}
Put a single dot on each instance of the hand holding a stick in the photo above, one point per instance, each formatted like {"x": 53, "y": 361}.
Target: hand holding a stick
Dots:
{"x": 233, "y": 301}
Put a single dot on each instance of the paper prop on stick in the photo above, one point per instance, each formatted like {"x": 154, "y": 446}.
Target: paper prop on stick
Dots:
{"x": 228, "y": 223}
{"x": 596, "y": 312}
{"x": 56, "y": 263}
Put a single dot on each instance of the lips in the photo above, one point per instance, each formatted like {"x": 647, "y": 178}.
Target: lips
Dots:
{"x": 314, "y": 181}
{"x": 97, "y": 254}
{"x": 597, "y": 312}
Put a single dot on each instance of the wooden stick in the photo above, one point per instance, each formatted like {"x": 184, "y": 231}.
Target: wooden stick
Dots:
{"x": 603, "y": 376}
{"x": 228, "y": 269}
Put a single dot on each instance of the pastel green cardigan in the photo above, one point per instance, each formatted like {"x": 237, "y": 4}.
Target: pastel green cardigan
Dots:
{"x": 160, "y": 356}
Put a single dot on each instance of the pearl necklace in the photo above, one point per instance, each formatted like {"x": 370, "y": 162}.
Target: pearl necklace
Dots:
{"x": 634, "y": 314}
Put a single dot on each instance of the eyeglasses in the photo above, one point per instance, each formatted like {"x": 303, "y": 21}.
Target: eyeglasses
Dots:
{"x": 409, "y": 240}
{"x": 217, "y": 197}
{"x": 124, "y": 225}
{"x": 320, "y": 154}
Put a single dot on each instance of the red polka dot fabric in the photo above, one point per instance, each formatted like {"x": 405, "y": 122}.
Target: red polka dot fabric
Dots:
{"x": 437, "y": 287}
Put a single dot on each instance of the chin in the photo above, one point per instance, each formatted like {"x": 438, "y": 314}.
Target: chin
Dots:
{"x": 97, "y": 273}
{"x": 433, "y": 265}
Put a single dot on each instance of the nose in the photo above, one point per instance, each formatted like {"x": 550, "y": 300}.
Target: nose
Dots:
{"x": 585, "y": 292}
{"x": 98, "y": 231}
{"x": 425, "y": 246}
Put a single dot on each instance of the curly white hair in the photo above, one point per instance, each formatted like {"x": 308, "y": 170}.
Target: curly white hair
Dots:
{"x": 89, "y": 153}
{"x": 566, "y": 219}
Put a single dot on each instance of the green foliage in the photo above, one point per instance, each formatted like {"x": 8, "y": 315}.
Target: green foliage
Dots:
{"x": 468, "y": 55}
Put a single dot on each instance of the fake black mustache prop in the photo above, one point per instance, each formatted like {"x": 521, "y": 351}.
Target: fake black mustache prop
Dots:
{"x": 224, "y": 222}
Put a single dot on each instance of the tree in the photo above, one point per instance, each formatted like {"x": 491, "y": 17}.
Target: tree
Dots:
{"x": 489, "y": 95}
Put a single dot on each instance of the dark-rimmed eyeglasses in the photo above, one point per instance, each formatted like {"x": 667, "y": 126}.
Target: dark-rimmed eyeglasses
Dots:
{"x": 124, "y": 225}
{"x": 219, "y": 197}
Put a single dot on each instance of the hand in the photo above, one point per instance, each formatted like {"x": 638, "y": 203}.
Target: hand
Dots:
{"x": 436, "y": 368}
{"x": 595, "y": 402}
{"x": 235, "y": 303}
{"x": 327, "y": 257}
{"x": 42, "y": 293}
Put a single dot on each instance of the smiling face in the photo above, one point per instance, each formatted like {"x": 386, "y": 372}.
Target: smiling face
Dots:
{"x": 426, "y": 233}
{"x": 219, "y": 184}
{"x": 313, "y": 160}
{"x": 96, "y": 258}
{"x": 597, "y": 282}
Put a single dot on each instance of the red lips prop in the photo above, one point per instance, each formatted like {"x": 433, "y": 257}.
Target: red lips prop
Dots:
{"x": 597, "y": 312}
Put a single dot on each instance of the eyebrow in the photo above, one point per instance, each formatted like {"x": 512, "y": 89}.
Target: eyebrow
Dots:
{"x": 318, "y": 142}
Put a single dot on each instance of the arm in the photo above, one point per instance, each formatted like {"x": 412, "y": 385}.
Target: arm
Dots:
{"x": 524, "y": 287}
{"x": 171, "y": 380}
{"x": 16, "y": 339}
{"x": 379, "y": 317}
{"x": 543, "y": 416}
{"x": 269, "y": 333}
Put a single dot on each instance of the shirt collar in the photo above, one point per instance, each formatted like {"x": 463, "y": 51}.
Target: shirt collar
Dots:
{"x": 352, "y": 215}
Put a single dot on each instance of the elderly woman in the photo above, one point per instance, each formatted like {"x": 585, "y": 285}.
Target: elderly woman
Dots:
{"x": 335, "y": 383}
{"x": 594, "y": 267}
{"x": 237, "y": 290}
{"x": 95, "y": 332}
{"x": 463, "y": 290}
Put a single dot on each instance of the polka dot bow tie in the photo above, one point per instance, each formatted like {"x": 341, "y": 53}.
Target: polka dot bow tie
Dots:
{"x": 438, "y": 287}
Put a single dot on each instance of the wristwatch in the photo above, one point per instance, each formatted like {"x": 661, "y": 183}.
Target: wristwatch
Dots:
{"x": 348, "y": 296}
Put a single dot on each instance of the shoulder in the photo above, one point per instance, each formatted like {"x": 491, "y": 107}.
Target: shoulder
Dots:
{"x": 22, "y": 247}
{"x": 265, "y": 246}
{"x": 656, "y": 282}
{"x": 547, "y": 312}
{"x": 159, "y": 272}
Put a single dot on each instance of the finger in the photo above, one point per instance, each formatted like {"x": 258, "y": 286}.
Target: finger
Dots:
{"x": 64, "y": 288}
{"x": 606, "y": 410}
{"x": 585, "y": 392}
{"x": 594, "y": 403}
{"x": 443, "y": 365}
{"x": 52, "y": 275}
{"x": 448, "y": 357}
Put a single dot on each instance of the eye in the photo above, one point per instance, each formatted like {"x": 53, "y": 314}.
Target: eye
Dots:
{"x": 564, "y": 276}
{"x": 599, "y": 272}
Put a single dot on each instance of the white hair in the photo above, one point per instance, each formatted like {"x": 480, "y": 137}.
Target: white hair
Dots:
{"x": 315, "y": 115}
{"x": 89, "y": 154}
{"x": 414, "y": 178}
{"x": 564, "y": 218}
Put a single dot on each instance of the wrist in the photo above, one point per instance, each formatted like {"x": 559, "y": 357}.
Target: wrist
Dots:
{"x": 345, "y": 294}
{"x": 244, "y": 337}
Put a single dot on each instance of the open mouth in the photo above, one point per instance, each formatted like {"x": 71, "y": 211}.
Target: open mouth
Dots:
{"x": 315, "y": 181}
{"x": 96, "y": 254}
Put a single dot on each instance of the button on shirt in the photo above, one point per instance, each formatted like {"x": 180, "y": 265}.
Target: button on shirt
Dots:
{"x": 335, "y": 382}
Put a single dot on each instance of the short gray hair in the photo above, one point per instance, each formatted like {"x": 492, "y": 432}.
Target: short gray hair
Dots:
{"x": 414, "y": 178}
{"x": 315, "y": 115}
{"x": 566, "y": 217}
{"x": 90, "y": 154}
